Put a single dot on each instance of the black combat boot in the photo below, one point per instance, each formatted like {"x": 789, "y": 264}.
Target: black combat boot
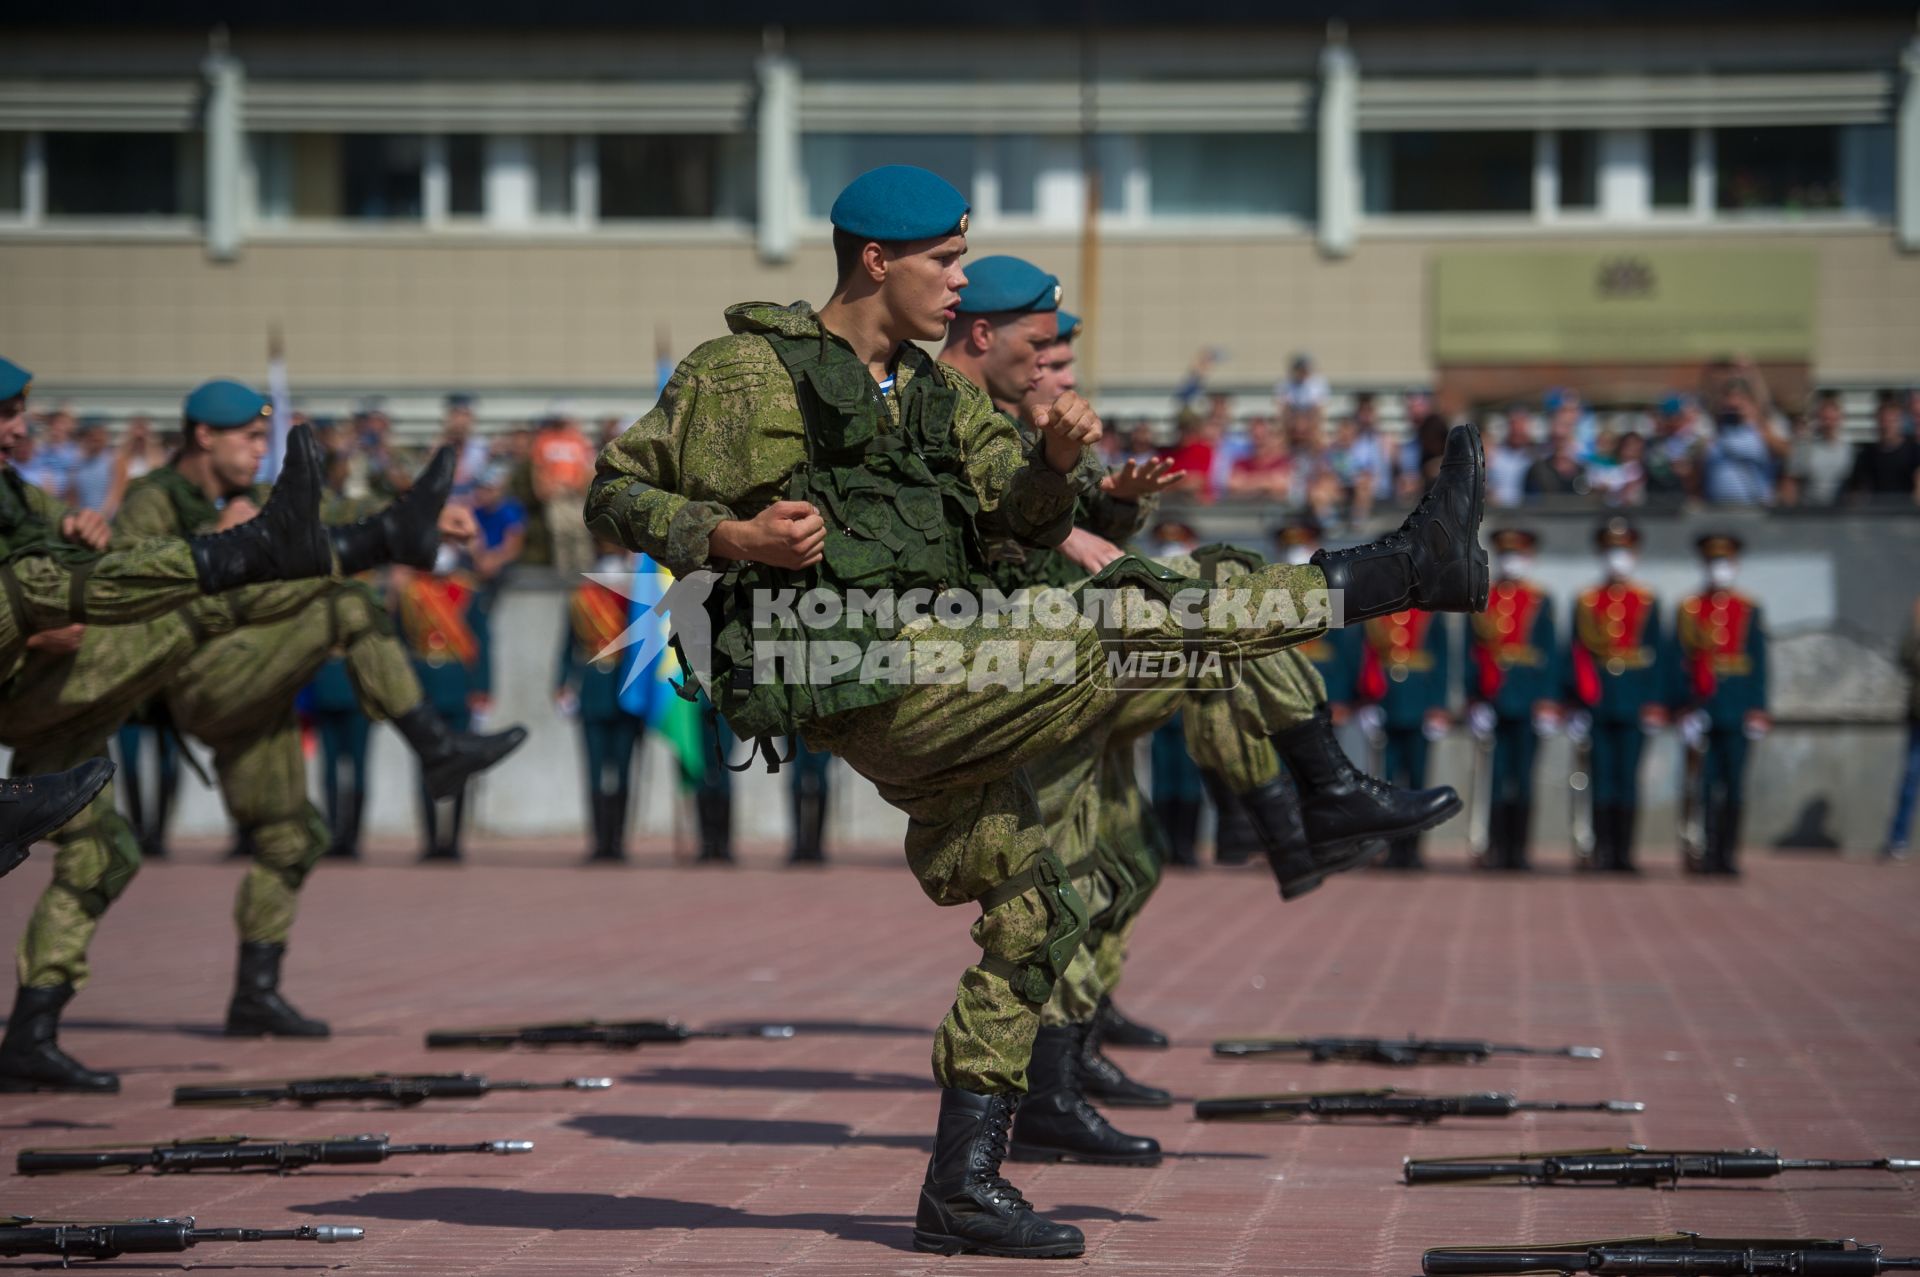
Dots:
{"x": 1056, "y": 1124}
{"x": 966, "y": 1206}
{"x": 1180, "y": 820}
{"x": 1602, "y": 857}
{"x": 1403, "y": 853}
{"x": 449, "y": 758}
{"x": 30, "y": 1054}
{"x": 1116, "y": 1029}
{"x": 31, "y": 807}
{"x": 345, "y": 844}
{"x": 1236, "y": 839}
{"x": 1724, "y": 849}
{"x": 809, "y": 826}
{"x": 1274, "y": 811}
{"x": 1434, "y": 561}
{"x": 713, "y": 810}
{"x": 257, "y": 1009}
{"x": 1519, "y": 827}
{"x": 284, "y": 542}
{"x": 609, "y": 828}
{"x": 407, "y": 532}
{"x": 1342, "y": 806}
{"x": 1101, "y": 1079}
{"x": 1623, "y": 822}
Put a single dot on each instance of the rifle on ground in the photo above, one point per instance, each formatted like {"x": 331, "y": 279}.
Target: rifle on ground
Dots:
{"x": 616, "y": 1033}
{"x": 1400, "y": 1051}
{"x": 1388, "y": 1102}
{"x": 392, "y": 1088}
{"x": 1679, "y": 1255}
{"x": 243, "y": 1153}
{"x": 71, "y": 1239}
{"x": 1633, "y": 1165}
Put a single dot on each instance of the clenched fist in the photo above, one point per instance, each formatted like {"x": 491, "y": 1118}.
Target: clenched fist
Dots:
{"x": 1067, "y": 425}
{"x": 787, "y": 534}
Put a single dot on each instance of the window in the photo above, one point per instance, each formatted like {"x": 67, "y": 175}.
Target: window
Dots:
{"x": 122, "y": 174}
{"x": 13, "y": 157}
{"x": 553, "y": 175}
{"x": 831, "y": 160}
{"x": 1229, "y": 174}
{"x": 1447, "y": 172}
{"x": 1671, "y": 155}
{"x": 1579, "y": 169}
{"x": 1794, "y": 169}
{"x": 466, "y": 175}
{"x": 666, "y": 176}
{"x": 323, "y": 176}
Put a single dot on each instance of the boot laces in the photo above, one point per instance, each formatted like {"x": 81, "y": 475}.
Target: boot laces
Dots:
{"x": 988, "y": 1154}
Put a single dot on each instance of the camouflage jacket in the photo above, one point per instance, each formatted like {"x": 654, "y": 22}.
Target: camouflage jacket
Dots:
{"x": 728, "y": 433}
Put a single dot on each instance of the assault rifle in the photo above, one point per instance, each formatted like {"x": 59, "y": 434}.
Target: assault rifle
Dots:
{"x": 1401, "y": 1051}
{"x": 242, "y": 1153}
{"x": 393, "y": 1088}
{"x": 1680, "y": 1255}
{"x": 69, "y": 1239}
{"x": 1388, "y": 1102}
{"x": 616, "y": 1033}
{"x": 1632, "y": 1165}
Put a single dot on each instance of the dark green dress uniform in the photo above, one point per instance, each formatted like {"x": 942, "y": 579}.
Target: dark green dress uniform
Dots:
{"x": 344, "y": 730}
{"x": 1721, "y": 671}
{"x": 1512, "y": 666}
{"x": 434, "y": 612}
{"x": 596, "y": 617}
{"x": 1406, "y": 668}
{"x": 1615, "y": 672}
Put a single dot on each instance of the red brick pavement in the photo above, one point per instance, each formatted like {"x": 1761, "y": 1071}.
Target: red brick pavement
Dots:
{"x": 1778, "y": 1012}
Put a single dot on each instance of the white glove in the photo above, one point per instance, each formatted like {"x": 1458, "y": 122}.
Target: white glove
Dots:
{"x": 567, "y": 703}
{"x": 1434, "y": 729}
{"x": 1372, "y": 720}
{"x": 1546, "y": 723}
{"x": 1694, "y": 726}
{"x": 1579, "y": 727}
{"x": 1757, "y": 728}
{"x": 1480, "y": 719}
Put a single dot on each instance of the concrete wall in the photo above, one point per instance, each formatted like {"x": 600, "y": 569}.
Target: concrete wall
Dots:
{"x": 437, "y": 312}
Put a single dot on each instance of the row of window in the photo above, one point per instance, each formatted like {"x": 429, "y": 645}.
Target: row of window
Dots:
{"x": 532, "y": 180}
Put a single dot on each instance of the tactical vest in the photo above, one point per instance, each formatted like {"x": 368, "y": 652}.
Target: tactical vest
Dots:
{"x": 900, "y": 515}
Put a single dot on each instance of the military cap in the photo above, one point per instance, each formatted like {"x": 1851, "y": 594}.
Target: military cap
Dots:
{"x": 1616, "y": 531}
{"x": 1067, "y": 325}
{"x": 1511, "y": 539}
{"x": 225, "y": 404}
{"x": 898, "y": 202}
{"x": 1719, "y": 545}
{"x": 1168, "y": 529}
{"x": 14, "y": 379}
{"x": 1305, "y": 530}
{"x": 998, "y": 285}
{"x": 459, "y": 399}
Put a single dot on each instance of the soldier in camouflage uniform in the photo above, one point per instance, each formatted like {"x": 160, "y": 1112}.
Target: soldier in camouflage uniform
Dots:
{"x": 236, "y": 692}
{"x": 797, "y": 413}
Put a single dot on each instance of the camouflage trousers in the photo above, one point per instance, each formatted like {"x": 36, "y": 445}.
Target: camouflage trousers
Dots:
{"x": 127, "y": 586}
{"x": 67, "y": 717}
{"x": 954, "y": 756}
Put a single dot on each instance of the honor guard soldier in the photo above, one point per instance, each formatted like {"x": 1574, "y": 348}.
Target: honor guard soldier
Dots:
{"x": 1722, "y": 674}
{"x": 1614, "y": 679}
{"x": 1335, "y": 653}
{"x": 1513, "y": 688}
{"x": 1405, "y": 676}
{"x": 587, "y": 686}
{"x": 436, "y": 621}
{"x": 344, "y": 731}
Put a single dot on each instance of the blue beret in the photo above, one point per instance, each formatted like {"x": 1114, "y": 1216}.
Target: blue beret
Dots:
{"x": 1673, "y": 405}
{"x": 13, "y": 379}
{"x": 226, "y": 405}
{"x": 1066, "y": 325}
{"x": 996, "y": 285}
{"x": 898, "y": 202}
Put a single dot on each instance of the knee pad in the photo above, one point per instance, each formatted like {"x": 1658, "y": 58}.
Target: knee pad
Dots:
{"x": 290, "y": 848}
{"x": 101, "y": 882}
{"x": 1033, "y": 979}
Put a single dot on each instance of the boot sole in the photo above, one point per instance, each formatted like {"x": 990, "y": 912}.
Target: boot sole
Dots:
{"x": 1480, "y": 583}
{"x": 1030, "y": 1153}
{"x": 1445, "y": 814}
{"x": 1124, "y": 1045}
{"x": 944, "y": 1244}
{"x": 1123, "y": 1102}
{"x": 234, "y": 1031}
{"x": 24, "y": 1086}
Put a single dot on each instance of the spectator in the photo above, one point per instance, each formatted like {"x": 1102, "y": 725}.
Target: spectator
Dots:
{"x": 144, "y": 449}
{"x": 1266, "y": 471}
{"x": 1195, "y": 382}
{"x": 1171, "y": 536}
{"x": 1312, "y": 461}
{"x": 516, "y": 449}
{"x": 1559, "y": 473}
{"x": 1303, "y": 387}
{"x": 91, "y": 483}
{"x": 1886, "y": 467}
{"x": 502, "y": 522}
{"x": 1420, "y": 452}
{"x": 54, "y": 456}
{"x": 1738, "y": 461}
{"x": 1370, "y": 456}
{"x": 1621, "y": 478}
{"x": 470, "y": 453}
{"x": 1902, "y": 827}
{"x": 1139, "y": 444}
{"x": 1819, "y": 463}
{"x": 1192, "y": 456}
{"x": 562, "y": 470}
{"x": 1509, "y": 461}
{"x": 1565, "y": 406}
{"x": 1670, "y": 454}
{"x": 1229, "y": 445}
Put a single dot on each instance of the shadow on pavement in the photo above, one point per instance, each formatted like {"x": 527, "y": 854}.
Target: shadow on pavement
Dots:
{"x": 643, "y": 1129}
{"x": 782, "y": 1079}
